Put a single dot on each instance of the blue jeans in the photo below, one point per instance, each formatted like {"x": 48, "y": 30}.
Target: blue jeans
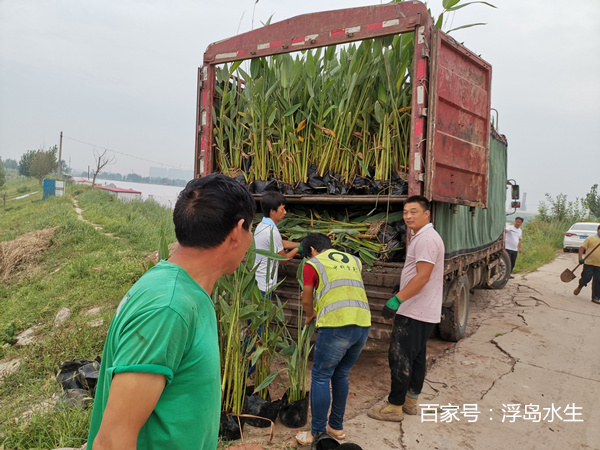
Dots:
{"x": 336, "y": 351}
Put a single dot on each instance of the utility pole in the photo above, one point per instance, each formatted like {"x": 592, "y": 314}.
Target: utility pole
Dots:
{"x": 59, "y": 158}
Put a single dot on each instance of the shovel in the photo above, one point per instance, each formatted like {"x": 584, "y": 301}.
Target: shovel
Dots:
{"x": 568, "y": 275}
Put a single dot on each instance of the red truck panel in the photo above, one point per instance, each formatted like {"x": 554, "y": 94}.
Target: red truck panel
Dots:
{"x": 459, "y": 124}
{"x": 320, "y": 30}
{"x": 451, "y": 92}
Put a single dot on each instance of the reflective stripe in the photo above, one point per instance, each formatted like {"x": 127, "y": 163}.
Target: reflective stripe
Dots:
{"x": 320, "y": 270}
{"x": 342, "y": 304}
{"x": 339, "y": 283}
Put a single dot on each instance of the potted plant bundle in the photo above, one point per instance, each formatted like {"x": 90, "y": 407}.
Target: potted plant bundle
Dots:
{"x": 294, "y": 408}
{"x": 268, "y": 329}
{"x": 234, "y": 309}
{"x": 269, "y": 343}
{"x": 241, "y": 312}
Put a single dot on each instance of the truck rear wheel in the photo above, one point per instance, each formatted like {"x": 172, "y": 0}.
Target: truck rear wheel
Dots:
{"x": 456, "y": 315}
{"x": 503, "y": 269}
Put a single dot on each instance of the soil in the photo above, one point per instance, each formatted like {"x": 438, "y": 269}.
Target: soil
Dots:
{"x": 532, "y": 343}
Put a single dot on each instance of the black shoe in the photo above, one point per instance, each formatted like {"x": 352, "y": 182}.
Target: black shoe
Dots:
{"x": 322, "y": 441}
{"x": 511, "y": 278}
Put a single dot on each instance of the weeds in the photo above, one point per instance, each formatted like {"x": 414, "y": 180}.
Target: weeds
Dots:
{"x": 541, "y": 240}
{"x": 80, "y": 268}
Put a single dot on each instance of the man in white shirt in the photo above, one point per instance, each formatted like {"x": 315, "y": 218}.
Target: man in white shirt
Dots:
{"x": 512, "y": 239}
{"x": 267, "y": 237}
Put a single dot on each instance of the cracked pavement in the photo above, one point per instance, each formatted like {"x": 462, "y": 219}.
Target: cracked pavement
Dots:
{"x": 527, "y": 375}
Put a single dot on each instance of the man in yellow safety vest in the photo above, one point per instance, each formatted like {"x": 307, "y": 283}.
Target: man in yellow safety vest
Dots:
{"x": 333, "y": 280}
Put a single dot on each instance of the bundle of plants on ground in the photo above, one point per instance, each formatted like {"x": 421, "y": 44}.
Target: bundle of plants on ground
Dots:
{"x": 257, "y": 349}
{"x": 323, "y": 121}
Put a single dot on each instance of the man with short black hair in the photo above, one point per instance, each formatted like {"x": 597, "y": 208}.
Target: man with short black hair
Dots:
{"x": 267, "y": 237}
{"x": 159, "y": 384}
{"x": 343, "y": 320}
{"x": 416, "y": 308}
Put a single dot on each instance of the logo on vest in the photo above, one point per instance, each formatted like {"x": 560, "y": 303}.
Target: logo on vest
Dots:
{"x": 339, "y": 257}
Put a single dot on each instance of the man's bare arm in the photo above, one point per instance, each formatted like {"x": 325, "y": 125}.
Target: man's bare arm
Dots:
{"x": 417, "y": 283}
{"x": 288, "y": 245}
{"x": 289, "y": 255}
{"x": 131, "y": 400}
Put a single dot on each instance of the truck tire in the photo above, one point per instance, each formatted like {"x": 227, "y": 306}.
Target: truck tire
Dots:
{"x": 456, "y": 315}
{"x": 503, "y": 269}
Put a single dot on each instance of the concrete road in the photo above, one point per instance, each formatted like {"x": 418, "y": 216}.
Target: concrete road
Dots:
{"x": 527, "y": 376}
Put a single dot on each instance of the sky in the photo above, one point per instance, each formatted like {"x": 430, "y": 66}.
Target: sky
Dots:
{"x": 122, "y": 75}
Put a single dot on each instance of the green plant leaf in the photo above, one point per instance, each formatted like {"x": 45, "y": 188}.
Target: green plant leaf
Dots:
{"x": 267, "y": 381}
{"x": 271, "y": 255}
{"x": 440, "y": 21}
{"x": 466, "y": 26}
{"x": 455, "y": 8}
{"x": 449, "y": 3}
{"x": 292, "y": 110}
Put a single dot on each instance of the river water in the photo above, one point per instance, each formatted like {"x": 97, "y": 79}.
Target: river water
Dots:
{"x": 161, "y": 194}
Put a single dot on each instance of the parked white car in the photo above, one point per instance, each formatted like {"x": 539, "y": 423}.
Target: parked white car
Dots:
{"x": 577, "y": 234}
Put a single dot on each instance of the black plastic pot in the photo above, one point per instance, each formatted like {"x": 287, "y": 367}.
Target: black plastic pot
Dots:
{"x": 255, "y": 405}
{"x": 229, "y": 427}
{"x": 262, "y": 186}
{"x": 294, "y": 414}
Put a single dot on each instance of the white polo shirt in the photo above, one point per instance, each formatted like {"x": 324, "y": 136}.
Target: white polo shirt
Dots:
{"x": 426, "y": 305}
{"x": 262, "y": 240}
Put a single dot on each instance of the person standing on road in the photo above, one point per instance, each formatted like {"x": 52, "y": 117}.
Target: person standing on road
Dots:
{"x": 591, "y": 266}
{"x": 417, "y": 307}
{"x": 343, "y": 321}
{"x": 267, "y": 237}
{"x": 513, "y": 235}
{"x": 159, "y": 385}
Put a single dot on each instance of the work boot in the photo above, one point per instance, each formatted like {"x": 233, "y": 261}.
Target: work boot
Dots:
{"x": 410, "y": 406}
{"x": 387, "y": 412}
{"x": 577, "y": 290}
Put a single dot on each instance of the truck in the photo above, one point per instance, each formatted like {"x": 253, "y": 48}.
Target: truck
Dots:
{"x": 455, "y": 157}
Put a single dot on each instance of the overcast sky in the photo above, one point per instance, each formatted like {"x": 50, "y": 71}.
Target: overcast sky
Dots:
{"x": 122, "y": 75}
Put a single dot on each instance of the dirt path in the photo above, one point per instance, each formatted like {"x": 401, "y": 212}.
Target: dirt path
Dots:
{"x": 531, "y": 371}
{"x": 532, "y": 343}
{"x": 79, "y": 212}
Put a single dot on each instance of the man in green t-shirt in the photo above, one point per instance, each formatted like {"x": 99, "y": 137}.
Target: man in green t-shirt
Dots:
{"x": 159, "y": 384}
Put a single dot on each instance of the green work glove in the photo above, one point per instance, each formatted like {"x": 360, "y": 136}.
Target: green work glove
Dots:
{"x": 299, "y": 249}
{"x": 580, "y": 260}
{"x": 390, "y": 308}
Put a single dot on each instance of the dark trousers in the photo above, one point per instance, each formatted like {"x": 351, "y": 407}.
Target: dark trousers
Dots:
{"x": 407, "y": 357}
{"x": 513, "y": 258}
{"x": 591, "y": 273}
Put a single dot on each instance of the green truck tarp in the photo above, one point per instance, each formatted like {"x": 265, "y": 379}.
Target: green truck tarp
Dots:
{"x": 461, "y": 231}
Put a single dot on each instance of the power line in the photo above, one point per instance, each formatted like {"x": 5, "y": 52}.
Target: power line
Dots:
{"x": 120, "y": 153}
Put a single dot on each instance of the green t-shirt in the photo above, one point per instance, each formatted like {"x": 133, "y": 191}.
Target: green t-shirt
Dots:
{"x": 166, "y": 324}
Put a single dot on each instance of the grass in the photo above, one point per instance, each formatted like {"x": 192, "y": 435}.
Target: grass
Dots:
{"x": 81, "y": 269}
{"x": 540, "y": 242}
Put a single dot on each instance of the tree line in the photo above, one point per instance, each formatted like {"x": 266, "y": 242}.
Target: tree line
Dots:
{"x": 39, "y": 164}
{"x": 581, "y": 209}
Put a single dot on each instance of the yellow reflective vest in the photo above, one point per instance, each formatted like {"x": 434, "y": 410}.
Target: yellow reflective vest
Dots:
{"x": 340, "y": 296}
